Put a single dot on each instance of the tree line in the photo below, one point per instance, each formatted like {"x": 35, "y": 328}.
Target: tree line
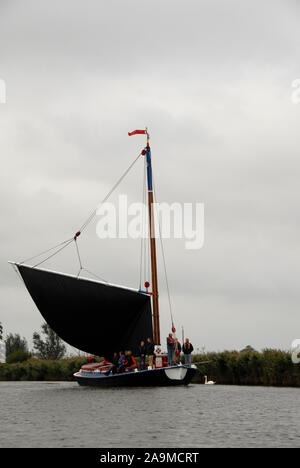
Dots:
{"x": 246, "y": 367}
{"x": 270, "y": 367}
{"x": 46, "y": 345}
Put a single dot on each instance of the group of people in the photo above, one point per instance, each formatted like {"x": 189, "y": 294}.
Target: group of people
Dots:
{"x": 121, "y": 362}
{"x": 146, "y": 352}
{"x": 174, "y": 349}
{"x": 124, "y": 361}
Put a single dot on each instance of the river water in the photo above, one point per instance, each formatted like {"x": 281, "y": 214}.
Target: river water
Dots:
{"x": 62, "y": 414}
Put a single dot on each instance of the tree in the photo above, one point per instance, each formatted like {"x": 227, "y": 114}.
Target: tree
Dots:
{"x": 51, "y": 347}
{"x": 14, "y": 343}
{"x": 2, "y": 345}
{"x": 18, "y": 356}
{"x": 248, "y": 349}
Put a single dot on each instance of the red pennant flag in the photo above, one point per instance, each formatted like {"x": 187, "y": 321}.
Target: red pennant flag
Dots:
{"x": 137, "y": 132}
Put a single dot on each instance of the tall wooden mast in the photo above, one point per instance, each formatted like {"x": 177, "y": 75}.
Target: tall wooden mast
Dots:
{"x": 155, "y": 309}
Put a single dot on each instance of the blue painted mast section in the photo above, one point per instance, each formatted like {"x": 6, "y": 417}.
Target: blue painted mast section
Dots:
{"x": 149, "y": 168}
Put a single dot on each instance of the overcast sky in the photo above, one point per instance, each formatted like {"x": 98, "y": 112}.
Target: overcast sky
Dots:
{"x": 212, "y": 80}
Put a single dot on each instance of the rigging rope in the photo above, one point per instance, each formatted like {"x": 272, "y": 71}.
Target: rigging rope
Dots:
{"x": 93, "y": 214}
{"x": 78, "y": 254}
{"x": 46, "y": 251}
{"x": 82, "y": 268}
{"x": 96, "y": 276}
{"x": 50, "y": 256}
{"x": 67, "y": 242}
{"x": 163, "y": 254}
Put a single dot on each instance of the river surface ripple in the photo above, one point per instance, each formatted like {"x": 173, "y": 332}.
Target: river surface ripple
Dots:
{"x": 62, "y": 414}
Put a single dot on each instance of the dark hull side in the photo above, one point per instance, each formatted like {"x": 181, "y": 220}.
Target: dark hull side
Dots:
{"x": 148, "y": 378}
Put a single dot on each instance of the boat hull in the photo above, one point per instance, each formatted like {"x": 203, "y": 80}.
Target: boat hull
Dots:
{"x": 164, "y": 377}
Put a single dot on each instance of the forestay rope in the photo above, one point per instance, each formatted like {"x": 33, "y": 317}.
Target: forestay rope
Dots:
{"x": 65, "y": 243}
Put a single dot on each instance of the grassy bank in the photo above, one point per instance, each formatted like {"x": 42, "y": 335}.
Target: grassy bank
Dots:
{"x": 35, "y": 369}
{"x": 271, "y": 367}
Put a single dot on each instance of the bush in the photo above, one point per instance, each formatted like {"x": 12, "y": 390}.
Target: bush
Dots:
{"x": 36, "y": 369}
{"x": 270, "y": 367}
{"x": 17, "y": 356}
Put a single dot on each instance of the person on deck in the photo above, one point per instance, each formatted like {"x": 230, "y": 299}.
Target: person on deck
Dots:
{"x": 187, "y": 349}
{"x": 130, "y": 362}
{"x": 150, "y": 351}
{"x": 177, "y": 351}
{"x": 171, "y": 348}
{"x": 91, "y": 359}
{"x": 113, "y": 369}
{"x": 115, "y": 359}
{"x": 121, "y": 362}
{"x": 142, "y": 356}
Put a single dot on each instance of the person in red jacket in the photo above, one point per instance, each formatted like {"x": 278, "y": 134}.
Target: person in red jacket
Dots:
{"x": 130, "y": 362}
{"x": 171, "y": 348}
{"x": 91, "y": 359}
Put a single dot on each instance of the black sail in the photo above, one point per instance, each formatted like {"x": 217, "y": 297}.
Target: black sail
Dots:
{"x": 94, "y": 317}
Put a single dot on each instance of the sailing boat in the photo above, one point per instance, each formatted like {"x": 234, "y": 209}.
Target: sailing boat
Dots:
{"x": 119, "y": 317}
